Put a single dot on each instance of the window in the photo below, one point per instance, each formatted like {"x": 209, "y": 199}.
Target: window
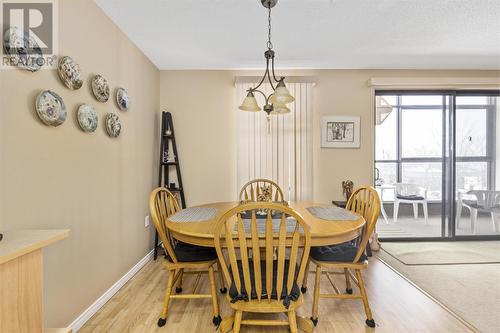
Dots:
{"x": 421, "y": 132}
{"x": 279, "y": 149}
{"x": 429, "y": 175}
{"x": 386, "y": 136}
{"x": 471, "y": 131}
{"x": 475, "y": 142}
{"x": 409, "y": 142}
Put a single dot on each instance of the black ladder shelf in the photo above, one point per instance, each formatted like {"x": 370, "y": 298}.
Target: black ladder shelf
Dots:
{"x": 169, "y": 158}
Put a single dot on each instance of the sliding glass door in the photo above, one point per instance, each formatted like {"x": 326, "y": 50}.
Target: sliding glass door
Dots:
{"x": 477, "y": 177}
{"x": 410, "y": 149}
{"x": 431, "y": 150}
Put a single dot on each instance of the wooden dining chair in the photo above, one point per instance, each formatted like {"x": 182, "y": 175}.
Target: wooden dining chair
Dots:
{"x": 181, "y": 256}
{"x": 350, "y": 256}
{"x": 268, "y": 284}
{"x": 264, "y": 190}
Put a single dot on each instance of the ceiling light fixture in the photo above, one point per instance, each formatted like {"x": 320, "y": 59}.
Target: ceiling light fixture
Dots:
{"x": 276, "y": 102}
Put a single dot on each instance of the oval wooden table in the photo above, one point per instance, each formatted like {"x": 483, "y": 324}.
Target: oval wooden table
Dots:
{"x": 323, "y": 232}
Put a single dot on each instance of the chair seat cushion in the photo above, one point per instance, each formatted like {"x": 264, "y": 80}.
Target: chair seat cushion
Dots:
{"x": 410, "y": 197}
{"x": 341, "y": 253}
{"x": 286, "y": 295}
{"x": 192, "y": 253}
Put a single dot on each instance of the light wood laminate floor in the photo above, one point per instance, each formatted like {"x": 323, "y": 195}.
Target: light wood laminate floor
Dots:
{"x": 397, "y": 307}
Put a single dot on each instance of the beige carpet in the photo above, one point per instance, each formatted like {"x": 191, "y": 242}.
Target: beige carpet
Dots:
{"x": 442, "y": 253}
{"x": 472, "y": 291}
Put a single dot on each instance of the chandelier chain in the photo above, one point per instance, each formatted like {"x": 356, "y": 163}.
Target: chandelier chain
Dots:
{"x": 276, "y": 100}
{"x": 269, "y": 43}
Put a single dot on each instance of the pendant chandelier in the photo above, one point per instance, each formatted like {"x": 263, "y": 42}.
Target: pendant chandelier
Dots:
{"x": 275, "y": 103}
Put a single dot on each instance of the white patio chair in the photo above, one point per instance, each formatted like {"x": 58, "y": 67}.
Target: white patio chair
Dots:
{"x": 486, "y": 201}
{"x": 410, "y": 194}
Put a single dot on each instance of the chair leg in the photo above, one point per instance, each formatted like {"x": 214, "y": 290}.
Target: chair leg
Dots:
{"x": 415, "y": 210}
{"x": 303, "y": 289}
{"x": 178, "y": 289}
{"x": 348, "y": 288}
{"x": 217, "y": 318}
{"x": 369, "y": 319}
{"x": 426, "y": 212}
{"x": 396, "y": 209}
{"x": 459, "y": 212}
{"x": 473, "y": 219}
{"x": 227, "y": 324}
{"x": 292, "y": 321}
{"x": 237, "y": 321}
{"x": 170, "y": 282}
{"x": 317, "y": 284}
{"x": 494, "y": 223}
{"x": 382, "y": 209}
{"x": 223, "y": 289}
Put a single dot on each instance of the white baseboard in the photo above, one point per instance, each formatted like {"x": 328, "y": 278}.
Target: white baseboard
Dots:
{"x": 91, "y": 310}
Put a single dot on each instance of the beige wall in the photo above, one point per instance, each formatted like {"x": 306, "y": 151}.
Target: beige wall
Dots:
{"x": 203, "y": 105}
{"x": 64, "y": 178}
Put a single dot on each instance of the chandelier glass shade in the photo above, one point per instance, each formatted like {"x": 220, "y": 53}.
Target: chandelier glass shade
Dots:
{"x": 279, "y": 108}
{"x": 250, "y": 103}
{"x": 275, "y": 103}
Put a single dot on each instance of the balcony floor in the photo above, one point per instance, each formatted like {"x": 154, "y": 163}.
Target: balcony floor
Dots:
{"x": 407, "y": 226}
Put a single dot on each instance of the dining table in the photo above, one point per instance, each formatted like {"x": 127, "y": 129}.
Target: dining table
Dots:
{"x": 328, "y": 225}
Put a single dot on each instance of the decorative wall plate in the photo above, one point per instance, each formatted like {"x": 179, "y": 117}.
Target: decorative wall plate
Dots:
{"x": 69, "y": 72}
{"x": 100, "y": 88}
{"x": 87, "y": 118}
{"x": 50, "y": 108}
{"x": 22, "y": 50}
{"x": 122, "y": 99}
{"x": 113, "y": 125}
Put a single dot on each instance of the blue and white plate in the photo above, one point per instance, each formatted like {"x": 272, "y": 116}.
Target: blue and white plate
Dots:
{"x": 22, "y": 49}
{"x": 87, "y": 118}
{"x": 69, "y": 72}
{"x": 50, "y": 108}
{"x": 122, "y": 99}
{"x": 100, "y": 88}
{"x": 113, "y": 125}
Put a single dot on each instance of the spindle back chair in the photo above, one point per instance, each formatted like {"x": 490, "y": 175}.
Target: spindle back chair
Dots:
{"x": 163, "y": 204}
{"x": 264, "y": 190}
{"x": 365, "y": 202}
{"x": 262, "y": 284}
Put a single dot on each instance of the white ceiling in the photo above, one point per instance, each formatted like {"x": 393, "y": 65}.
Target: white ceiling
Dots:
{"x": 231, "y": 34}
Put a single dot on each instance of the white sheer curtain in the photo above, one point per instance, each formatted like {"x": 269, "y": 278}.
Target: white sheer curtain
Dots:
{"x": 283, "y": 154}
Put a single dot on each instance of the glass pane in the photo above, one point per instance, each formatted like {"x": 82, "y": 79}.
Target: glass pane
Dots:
{"x": 477, "y": 129}
{"x": 472, "y": 100}
{"x": 471, "y": 132}
{"x": 422, "y": 100}
{"x": 472, "y": 176}
{"x": 422, "y": 133}
{"x": 385, "y": 138}
{"x": 426, "y": 175}
{"x": 496, "y": 157}
{"x": 385, "y": 173}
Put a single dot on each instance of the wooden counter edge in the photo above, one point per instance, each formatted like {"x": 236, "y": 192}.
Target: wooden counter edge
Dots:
{"x": 63, "y": 233}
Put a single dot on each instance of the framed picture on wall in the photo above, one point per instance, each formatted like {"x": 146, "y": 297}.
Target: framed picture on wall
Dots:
{"x": 340, "y": 131}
